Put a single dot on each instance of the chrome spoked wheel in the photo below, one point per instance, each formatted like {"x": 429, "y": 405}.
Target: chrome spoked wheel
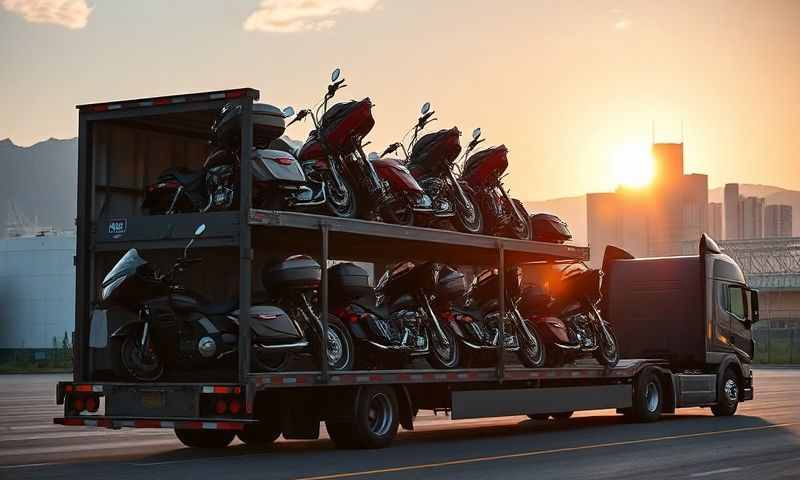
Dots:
{"x": 445, "y": 355}
{"x": 339, "y": 345}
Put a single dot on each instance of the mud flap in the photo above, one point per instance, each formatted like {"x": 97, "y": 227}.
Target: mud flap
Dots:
{"x": 300, "y": 415}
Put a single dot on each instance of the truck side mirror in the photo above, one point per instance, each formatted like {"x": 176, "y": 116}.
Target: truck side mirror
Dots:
{"x": 753, "y": 306}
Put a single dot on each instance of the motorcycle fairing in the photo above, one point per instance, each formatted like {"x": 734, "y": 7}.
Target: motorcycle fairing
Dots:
{"x": 398, "y": 176}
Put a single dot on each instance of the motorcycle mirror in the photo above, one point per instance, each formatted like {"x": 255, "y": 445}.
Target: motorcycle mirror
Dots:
{"x": 288, "y": 112}
{"x": 426, "y": 107}
{"x": 476, "y": 133}
{"x": 200, "y": 230}
{"x": 335, "y": 74}
{"x": 373, "y": 156}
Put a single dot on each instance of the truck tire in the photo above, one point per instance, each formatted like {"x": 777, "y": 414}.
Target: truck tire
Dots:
{"x": 727, "y": 394}
{"x": 648, "y": 397}
{"x": 205, "y": 438}
{"x": 375, "y": 421}
{"x": 259, "y": 434}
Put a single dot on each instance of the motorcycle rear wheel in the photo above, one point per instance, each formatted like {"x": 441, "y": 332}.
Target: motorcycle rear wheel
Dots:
{"x": 398, "y": 214}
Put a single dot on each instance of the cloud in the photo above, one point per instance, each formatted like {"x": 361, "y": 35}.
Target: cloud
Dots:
{"x": 72, "y": 14}
{"x": 289, "y": 16}
{"x": 622, "y": 24}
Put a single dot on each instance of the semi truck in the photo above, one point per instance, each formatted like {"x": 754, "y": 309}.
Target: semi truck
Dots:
{"x": 683, "y": 323}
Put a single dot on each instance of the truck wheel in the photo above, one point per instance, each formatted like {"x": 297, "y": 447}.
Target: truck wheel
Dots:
{"x": 259, "y": 434}
{"x": 205, "y": 438}
{"x": 374, "y": 424}
{"x": 727, "y": 395}
{"x": 648, "y": 398}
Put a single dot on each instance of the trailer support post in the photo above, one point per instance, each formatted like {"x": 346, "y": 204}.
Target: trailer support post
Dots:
{"x": 84, "y": 254}
{"x": 323, "y": 300}
{"x": 245, "y": 249}
{"x": 501, "y": 342}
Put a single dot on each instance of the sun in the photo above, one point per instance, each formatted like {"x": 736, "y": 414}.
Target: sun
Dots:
{"x": 633, "y": 165}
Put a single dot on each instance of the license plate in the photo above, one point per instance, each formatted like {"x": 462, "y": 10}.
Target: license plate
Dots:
{"x": 152, "y": 399}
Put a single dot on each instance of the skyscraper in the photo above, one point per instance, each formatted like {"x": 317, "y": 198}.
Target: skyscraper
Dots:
{"x": 732, "y": 224}
{"x": 715, "y": 220}
{"x": 752, "y": 217}
{"x": 778, "y": 221}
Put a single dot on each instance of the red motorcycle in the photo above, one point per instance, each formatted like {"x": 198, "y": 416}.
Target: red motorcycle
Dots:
{"x": 382, "y": 190}
{"x": 484, "y": 172}
{"x": 431, "y": 161}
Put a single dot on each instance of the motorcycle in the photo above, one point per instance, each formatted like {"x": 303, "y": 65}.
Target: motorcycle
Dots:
{"x": 293, "y": 285}
{"x": 358, "y": 187}
{"x": 484, "y": 173}
{"x": 476, "y": 322}
{"x": 167, "y": 326}
{"x": 279, "y": 183}
{"x": 397, "y": 323}
{"x": 564, "y": 304}
{"x": 431, "y": 162}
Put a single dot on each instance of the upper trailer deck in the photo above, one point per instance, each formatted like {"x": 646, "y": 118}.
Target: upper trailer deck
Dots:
{"x": 351, "y": 239}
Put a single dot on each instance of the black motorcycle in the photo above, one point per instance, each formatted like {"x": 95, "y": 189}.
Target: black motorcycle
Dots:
{"x": 430, "y": 159}
{"x": 564, "y": 304}
{"x": 484, "y": 172}
{"x": 279, "y": 182}
{"x": 293, "y": 285}
{"x": 166, "y": 326}
{"x": 397, "y": 323}
{"x": 477, "y": 322}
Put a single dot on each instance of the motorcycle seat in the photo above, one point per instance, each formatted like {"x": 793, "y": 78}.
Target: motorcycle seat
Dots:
{"x": 190, "y": 179}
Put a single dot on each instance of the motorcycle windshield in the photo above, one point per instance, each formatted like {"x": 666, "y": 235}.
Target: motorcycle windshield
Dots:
{"x": 124, "y": 267}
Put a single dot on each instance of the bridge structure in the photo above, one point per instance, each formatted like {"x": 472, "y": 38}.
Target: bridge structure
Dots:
{"x": 770, "y": 264}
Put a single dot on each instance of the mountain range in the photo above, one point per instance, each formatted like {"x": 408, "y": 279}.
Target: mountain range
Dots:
{"x": 38, "y": 186}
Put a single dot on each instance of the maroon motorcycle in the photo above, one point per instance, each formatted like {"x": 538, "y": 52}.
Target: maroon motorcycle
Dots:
{"x": 383, "y": 190}
{"x": 484, "y": 172}
{"x": 431, "y": 160}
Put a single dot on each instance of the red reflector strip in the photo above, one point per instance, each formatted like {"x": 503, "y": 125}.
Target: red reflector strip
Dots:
{"x": 147, "y": 423}
{"x": 220, "y": 389}
{"x": 67, "y": 388}
{"x": 234, "y": 94}
{"x": 83, "y": 388}
{"x": 161, "y": 101}
{"x": 100, "y": 108}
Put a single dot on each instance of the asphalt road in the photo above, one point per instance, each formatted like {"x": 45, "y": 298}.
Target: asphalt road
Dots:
{"x": 762, "y": 441}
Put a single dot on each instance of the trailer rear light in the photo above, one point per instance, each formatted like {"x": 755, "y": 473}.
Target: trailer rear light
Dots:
{"x": 92, "y": 404}
{"x": 235, "y": 407}
{"x": 78, "y": 404}
{"x": 221, "y": 406}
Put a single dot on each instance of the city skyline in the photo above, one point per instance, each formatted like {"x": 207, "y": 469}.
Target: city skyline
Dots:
{"x": 570, "y": 88}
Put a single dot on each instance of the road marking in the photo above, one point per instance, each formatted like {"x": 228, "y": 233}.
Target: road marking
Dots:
{"x": 714, "y": 472}
{"x": 464, "y": 461}
{"x": 25, "y": 465}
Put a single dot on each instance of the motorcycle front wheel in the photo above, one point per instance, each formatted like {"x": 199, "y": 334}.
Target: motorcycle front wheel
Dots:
{"x": 607, "y": 352}
{"x": 448, "y": 356}
{"x": 132, "y": 362}
{"x": 340, "y": 200}
{"x": 531, "y": 350}
{"x": 468, "y": 218}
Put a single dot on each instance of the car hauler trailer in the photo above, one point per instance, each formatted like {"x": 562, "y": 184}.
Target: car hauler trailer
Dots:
{"x": 123, "y": 146}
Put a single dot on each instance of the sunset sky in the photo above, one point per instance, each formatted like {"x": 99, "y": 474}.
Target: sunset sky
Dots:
{"x": 566, "y": 85}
